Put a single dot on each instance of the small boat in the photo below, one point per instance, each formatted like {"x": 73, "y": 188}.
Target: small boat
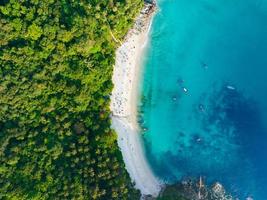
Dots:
{"x": 184, "y": 89}
{"x": 230, "y": 87}
{"x": 145, "y": 129}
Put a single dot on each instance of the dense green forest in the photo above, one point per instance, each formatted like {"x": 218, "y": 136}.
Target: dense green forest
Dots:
{"x": 56, "y": 59}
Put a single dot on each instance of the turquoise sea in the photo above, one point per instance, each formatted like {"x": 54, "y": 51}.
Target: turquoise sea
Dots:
{"x": 204, "y": 94}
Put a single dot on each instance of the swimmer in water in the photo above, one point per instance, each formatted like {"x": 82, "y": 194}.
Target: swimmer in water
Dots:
{"x": 201, "y": 107}
{"x": 204, "y": 65}
{"x": 180, "y": 81}
{"x": 198, "y": 140}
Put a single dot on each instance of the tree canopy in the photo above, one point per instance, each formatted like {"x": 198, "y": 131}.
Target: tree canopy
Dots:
{"x": 56, "y": 59}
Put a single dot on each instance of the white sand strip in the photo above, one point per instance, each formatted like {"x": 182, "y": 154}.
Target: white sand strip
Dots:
{"x": 124, "y": 106}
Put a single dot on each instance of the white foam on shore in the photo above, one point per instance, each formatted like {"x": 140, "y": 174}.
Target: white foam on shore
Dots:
{"x": 124, "y": 107}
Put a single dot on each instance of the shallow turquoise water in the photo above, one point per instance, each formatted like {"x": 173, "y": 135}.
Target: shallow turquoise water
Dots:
{"x": 217, "y": 51}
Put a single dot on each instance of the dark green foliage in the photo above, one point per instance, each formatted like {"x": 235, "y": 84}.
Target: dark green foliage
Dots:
{"x": 171, "y": 192}
{"x": 56, "y": 59}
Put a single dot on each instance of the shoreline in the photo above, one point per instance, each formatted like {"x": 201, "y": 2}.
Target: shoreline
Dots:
{"x": 124, "y": 99}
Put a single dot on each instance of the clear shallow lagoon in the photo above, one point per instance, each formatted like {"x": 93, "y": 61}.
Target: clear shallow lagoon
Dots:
{"x": 217, "y": 51}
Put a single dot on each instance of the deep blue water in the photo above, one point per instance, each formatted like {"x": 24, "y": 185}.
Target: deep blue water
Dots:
{"x": 217, "y": 51}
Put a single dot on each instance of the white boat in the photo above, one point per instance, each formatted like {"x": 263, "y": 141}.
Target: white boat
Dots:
{"x": 230, "y": 87}
{"x": 184, "y": 89}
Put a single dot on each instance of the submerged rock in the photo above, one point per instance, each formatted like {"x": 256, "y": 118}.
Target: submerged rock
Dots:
{"x": 192, "y": 189}
{"x": 218, "y": 192}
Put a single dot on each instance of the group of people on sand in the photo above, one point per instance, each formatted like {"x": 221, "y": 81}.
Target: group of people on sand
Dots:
{"x": 124, "y": 67}
{"x": 126, "y": 55}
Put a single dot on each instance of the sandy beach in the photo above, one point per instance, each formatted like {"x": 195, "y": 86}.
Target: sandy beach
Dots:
{"x": 126, "y": 76}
